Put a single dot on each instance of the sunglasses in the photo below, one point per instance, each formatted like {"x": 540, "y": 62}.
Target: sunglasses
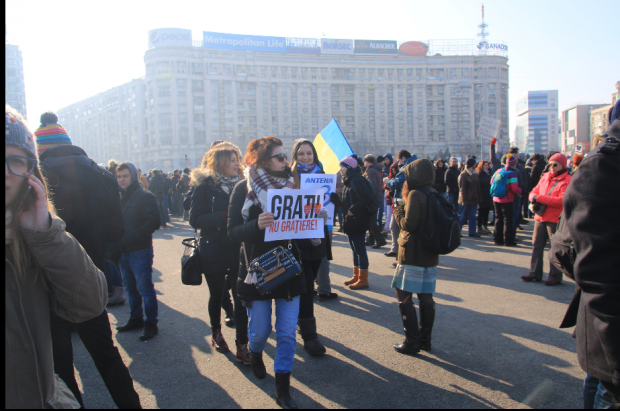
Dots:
{"x": 555, "y": 165}
{"x": 281, "y": 157}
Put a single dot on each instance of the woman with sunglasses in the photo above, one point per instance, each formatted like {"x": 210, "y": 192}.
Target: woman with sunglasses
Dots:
{"x": 549, "y": 192}
{"x": 45, "y": 269}
{"x": 267, "y": 169}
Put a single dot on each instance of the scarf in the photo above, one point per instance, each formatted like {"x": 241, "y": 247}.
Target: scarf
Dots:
{"x": 559, "y": 173}
{"x": 259, "y": 181}
{"x": 308, "y": 168}
{"x": 226, "y": 183}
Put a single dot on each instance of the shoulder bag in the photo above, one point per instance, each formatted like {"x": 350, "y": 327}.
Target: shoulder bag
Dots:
{"x": 539, "y": 209}
{"x": 272, "y": 269}
{"x": 191, "y": 274}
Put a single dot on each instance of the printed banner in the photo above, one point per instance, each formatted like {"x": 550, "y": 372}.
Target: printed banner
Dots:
{"x": 295, "y": 214}
{"x": 326, "y": 183}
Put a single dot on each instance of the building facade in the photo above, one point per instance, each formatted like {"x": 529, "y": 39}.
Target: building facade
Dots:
{"x": 14, "y": 91}
{"x": 192, "y": 95}
{"x": 576, "y": 128}
{"x": 536, "y": 122}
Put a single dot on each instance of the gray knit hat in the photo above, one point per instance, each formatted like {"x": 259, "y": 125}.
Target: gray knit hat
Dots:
{"x": 18, "y": 134}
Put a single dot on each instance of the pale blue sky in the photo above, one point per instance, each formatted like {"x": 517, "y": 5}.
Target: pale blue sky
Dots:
{"x": 75, "y": 49}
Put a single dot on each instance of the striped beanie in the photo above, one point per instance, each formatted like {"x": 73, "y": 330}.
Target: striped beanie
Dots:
{"x": 511, "y": 160}
{"x": 50, "y": 133}
{"x": 349, "y": 162}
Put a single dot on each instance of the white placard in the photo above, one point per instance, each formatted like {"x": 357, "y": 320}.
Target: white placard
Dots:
{"x": 295, "y": 214}
{"x": 489, "y": 127}
{"x": 327, "y": 184}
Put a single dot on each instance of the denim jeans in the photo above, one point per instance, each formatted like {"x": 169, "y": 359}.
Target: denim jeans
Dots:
{"x": 358, "y": 247}
{"x": 380, "y": 213}
{"x": 112, "y": 275}
{"x": 177, "y": 207}
{"x": 323, "y": 283}
{"x": 468, "y": 212}
{"x": 137, "y": 271}
{"x": 259, "y": 328}
{"x": 595, "y": 396}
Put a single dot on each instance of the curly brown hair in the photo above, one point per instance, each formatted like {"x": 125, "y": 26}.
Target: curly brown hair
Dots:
{"x": 259, "y": 151}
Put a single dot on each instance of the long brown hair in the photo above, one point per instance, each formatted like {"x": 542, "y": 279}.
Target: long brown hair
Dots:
{"x": 259, "y": 150}
{"x": 297, "y": 144}
{"x": 480, "y": 167}
{"x": 218, "y": 158}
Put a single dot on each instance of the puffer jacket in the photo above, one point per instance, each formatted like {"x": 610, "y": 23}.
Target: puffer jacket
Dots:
{"x": 512, "y": 186}
{"x": 553, "y": 201}
{"x": 412, "y": 217}
{"x": 485, "y": 200}
{"x": 440, "y": 182}
{"x": 356, "y": 198}
{"x": 76, "y": 291}
{"x": 374, "y": 173}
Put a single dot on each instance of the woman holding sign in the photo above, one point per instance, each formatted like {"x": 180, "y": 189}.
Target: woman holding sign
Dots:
{"x": 267, "y": 169}
{"x": 306, "y": 161}
{"x": 219, "y": 257}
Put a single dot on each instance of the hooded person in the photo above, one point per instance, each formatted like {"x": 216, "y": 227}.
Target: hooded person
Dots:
{"x": 313, "y": 252}
{"x": 374, "y": 174}
{"x": 416, "y": 270}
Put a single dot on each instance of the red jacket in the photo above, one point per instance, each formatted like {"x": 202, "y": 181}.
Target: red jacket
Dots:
{"x": 553, "y": 201}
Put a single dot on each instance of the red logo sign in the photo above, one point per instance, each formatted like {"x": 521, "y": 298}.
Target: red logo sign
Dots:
{"x": 317, "y": 208}
{"x": 414, "y": 48}
{"x": 307, "y": 209}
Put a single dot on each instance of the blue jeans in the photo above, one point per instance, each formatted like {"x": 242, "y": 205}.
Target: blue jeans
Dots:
{"x": 177, "y": 199}
{"x": 358, "y": 246}
{"x": 162, "y": 204}
{"x": 595, "y": 396}
{"x": 112, "y": 276}
{"x": 137, "y": 271}
{"x": 259, "y": 328}
{"x": 380, "y": 213}
{"x": 468, "y": 212}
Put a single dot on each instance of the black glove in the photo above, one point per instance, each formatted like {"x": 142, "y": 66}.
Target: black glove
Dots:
{"x": 335, "y": 199}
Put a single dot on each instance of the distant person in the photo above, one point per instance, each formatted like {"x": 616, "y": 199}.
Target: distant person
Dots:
{"x": 469, "y": 196}
{"x": 452, "y": 182}
{"x": 141, "y": 218}
{"x": 440, "y": 175}
{"x": 143, "y": 180}
{"x": 183, "y": 188}
{"x": 485, "y": 201}
{"x": 157, "y": 186}
{"x": 374, "y": 174}
{"x": 177, "y": 198}
{"x": 112, "y": 167}
{"x": 504, "y": 232}
{"x": 395, "y": 186}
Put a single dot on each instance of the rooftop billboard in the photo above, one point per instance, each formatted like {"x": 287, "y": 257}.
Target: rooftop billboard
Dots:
{"x": 374, "y": 47}
{"x": 336, "y": 46}
{"x": 170, "y": 37}
{"x": 414, "y": 48}
{"x": 299, "y": 45}
{"x": 240, "y": 42}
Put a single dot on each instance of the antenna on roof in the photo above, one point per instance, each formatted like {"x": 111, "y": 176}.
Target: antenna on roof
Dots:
{"x": 482, "y": 46}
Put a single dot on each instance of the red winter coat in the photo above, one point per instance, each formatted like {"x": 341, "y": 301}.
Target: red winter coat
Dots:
{"x": 553, "y": 201}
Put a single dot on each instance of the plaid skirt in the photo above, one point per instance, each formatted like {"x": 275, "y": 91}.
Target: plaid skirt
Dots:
{"x": 414, "y": 279}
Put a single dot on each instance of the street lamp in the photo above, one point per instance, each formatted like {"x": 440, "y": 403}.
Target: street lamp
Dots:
{"x": 362, "y": 132}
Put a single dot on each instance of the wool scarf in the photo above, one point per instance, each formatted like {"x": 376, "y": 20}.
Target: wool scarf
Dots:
{"x": 259, "y": 181}
{"x": 226, "y": 183}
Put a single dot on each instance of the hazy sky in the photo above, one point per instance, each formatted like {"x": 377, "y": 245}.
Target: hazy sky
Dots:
{"x": 75, "y": 49}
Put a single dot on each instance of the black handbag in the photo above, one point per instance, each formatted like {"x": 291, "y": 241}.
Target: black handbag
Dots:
{"x": 272, "y": 269}
{"x": 562, "y": 253}
{"x": 539, "y": 209}
{"x": 191, "y": 274}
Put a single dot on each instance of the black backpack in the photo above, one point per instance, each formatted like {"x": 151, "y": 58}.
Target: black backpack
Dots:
{"x": 442, "y": 234}
{"x": 373, "y": 207}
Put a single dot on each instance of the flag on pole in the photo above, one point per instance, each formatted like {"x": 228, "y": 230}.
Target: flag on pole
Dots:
{"x": 331, "y": 147}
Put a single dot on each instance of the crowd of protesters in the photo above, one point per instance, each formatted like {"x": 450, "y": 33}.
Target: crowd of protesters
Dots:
{"x": 54, "y": 189}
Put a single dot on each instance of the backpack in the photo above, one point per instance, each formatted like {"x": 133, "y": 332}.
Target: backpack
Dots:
{"x": 500, "y": 181}
{"x": 442, "y": 234}
{"x": 373, "y": 207}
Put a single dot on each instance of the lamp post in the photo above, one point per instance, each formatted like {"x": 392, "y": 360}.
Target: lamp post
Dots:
{"x": 362, "y": 132}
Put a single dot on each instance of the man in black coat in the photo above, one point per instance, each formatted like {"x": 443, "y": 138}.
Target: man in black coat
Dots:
{"x": 158, "y": 186}
{"x": 452, "y": 182}
{"x": 141, "y": 217}
{"x": 591, "y": 205}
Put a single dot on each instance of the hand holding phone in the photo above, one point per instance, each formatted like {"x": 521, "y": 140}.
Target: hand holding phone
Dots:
{"x": 35, "y": 216}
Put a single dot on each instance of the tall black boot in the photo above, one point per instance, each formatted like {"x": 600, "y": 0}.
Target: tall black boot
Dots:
{"x": 411, "y": 345}
{"x": 427, "y": 319}
{"x": 258, "y": 366}
{"x": 307, "y": 329}
{"x": 283, "y": 396}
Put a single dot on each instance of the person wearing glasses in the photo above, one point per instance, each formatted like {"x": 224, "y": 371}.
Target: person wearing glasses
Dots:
{"x": 266, "y": 169}
{"x": 549, "y": 192}
{"x": 46, "y": 270}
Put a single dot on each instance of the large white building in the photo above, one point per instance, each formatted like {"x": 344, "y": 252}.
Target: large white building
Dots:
{"x": 14, "y": 91}
{"x": 537, "y": 123}
{"x": 385, "y": 96}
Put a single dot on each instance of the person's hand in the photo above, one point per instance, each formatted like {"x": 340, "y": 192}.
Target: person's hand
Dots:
{"x": 385, "y": 179}
{"x": 35, "y": 216}
{"x": 349, "y": 213}
{"x": 334, "y": 198}
{"x": 323, "y": 214}
{"x": 493, "y": 141}
{"x": 265, "y": 220}
{"x": 534, "y": 199}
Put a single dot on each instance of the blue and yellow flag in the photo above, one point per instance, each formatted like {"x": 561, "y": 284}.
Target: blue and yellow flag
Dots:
{"x": 331, "y": 147}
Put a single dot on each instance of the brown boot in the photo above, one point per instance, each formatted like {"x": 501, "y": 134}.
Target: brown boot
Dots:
{"x": 243, "y": 353}
{"x": 356, "y": 276}
{"x": 217, "y": 340}
{"x": 362, "y": 282}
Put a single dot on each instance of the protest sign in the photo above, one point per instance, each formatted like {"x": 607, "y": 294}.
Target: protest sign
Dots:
{"x": 295, "y": 214}
{"x": 327, "y": 184}
{"x": 489, "y": 127}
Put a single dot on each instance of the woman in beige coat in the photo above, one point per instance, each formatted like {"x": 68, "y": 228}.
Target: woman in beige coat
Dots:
{"x": 45, "y": 269}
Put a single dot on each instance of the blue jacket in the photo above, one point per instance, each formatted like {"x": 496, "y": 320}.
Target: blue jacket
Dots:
{"x": 397, "y": 182}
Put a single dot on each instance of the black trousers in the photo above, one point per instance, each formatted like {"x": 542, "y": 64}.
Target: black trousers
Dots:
{"x": 306, "y": 301}
{"x": 503, "y": 222}
{"x": 219, "y": 284}
{"x": 96, "y": 335}
{"x": 374, "y": 232}
{"x": 483, "y": 216}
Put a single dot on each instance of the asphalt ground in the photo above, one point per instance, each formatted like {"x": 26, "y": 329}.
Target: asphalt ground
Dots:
{"x": 496, "y": 342}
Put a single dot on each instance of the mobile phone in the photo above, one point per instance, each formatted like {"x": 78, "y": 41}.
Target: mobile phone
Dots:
{"x": 21, "y": 202}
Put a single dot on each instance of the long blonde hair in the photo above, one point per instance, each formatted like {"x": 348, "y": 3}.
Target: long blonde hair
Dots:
{"x": 22, "y": 257}
{"x": 217, "y": 159}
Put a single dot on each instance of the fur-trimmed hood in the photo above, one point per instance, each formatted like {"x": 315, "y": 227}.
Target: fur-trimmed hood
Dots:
{"x": 199, "y": 176}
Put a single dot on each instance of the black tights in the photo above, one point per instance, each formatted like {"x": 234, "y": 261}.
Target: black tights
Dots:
{"x": 404, "y": 297}
{"x": 483, "y": 216}
{"x": 218, "y": 286}
{"x": 306, "y": 301}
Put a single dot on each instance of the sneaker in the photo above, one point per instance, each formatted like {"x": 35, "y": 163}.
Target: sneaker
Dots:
{"x": 327, "y": 297}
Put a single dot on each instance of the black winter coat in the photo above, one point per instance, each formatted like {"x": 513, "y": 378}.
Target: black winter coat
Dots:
{"x": 452, "y": 180}
{"x": 87, "y": 199}
{"x": 537, "y": 171}
{"x": 440, "y": 180}
{"x": 157, "y": 186}
{"x": 356, "y": 200}
{"x": 254, "y": 239}
{"x": 591, "y": 204}
{"x": 486, "y": 199}
{"x": 209, "y": 214}
{"x": 141, "y": 218}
